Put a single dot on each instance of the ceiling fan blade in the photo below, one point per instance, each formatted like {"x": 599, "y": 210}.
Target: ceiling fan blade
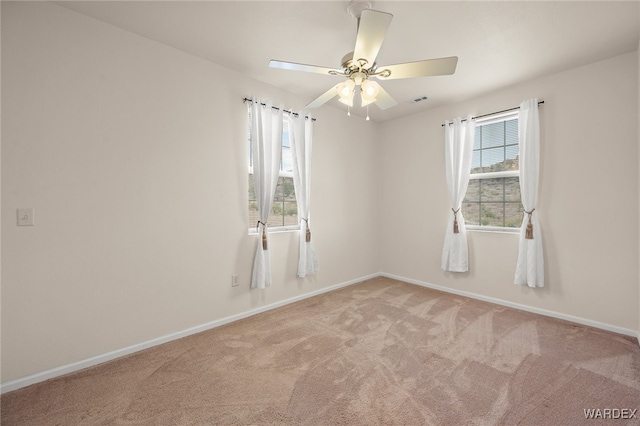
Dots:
{"x": 324, "y": 98}
{"x": 427, "y": 68}
{"x": 384, "y": 99}
{"x": 372, "y": 27}
{"x": 303, "y": 67}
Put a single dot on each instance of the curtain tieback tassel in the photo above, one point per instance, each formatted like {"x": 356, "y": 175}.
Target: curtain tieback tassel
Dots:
{"x": 455, "y": 221}
{"x": 307, "y": 236}
{"x": 264, "y": 233}
{"x": 529, "y": 233}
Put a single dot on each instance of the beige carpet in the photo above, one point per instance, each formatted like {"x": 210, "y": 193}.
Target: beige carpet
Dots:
{"x": 378, "y": 353}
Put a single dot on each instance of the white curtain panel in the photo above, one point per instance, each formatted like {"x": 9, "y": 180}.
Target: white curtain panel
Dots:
{"x": 266, "y": 146}
{"x": 458, "y": 149}
{"x": 530, "y": 266}
{"x": 301, "y": 137}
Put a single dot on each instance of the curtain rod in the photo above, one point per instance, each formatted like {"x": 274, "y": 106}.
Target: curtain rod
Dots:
{"x": 277, "y": 109}
{"x": 493, "y": 113}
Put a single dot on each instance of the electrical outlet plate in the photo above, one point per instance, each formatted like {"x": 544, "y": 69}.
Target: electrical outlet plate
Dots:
{"x": 26, "y": 217}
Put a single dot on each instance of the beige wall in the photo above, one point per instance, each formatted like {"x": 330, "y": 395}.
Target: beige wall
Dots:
{"x": 588, "y": 198}
{"x": 133, "y": 155}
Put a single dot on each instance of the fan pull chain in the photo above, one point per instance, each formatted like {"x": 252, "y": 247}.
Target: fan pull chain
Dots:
{"x": 348, "y": 111}
{"x": 367, "y": 113}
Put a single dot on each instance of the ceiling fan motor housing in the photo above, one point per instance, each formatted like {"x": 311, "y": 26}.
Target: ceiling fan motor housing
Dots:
{"x": 347, "y": 60}
{"x": 352, "y": 67}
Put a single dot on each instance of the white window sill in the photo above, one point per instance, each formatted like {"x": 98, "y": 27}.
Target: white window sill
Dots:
{"x": 276, "y": 229}
{"x": 495, "y": 175}
{"x": 495, "y": 229}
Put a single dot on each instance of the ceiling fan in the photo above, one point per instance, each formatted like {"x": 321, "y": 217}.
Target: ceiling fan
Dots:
{"x": 359, "y": 65}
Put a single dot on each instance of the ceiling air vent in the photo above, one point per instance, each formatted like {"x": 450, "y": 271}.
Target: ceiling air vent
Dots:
{"x": 416, "y": 100}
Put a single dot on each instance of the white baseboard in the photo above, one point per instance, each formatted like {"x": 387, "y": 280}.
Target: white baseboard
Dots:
{"x": 99, "y": 359}
{"x": 545, "y": 312}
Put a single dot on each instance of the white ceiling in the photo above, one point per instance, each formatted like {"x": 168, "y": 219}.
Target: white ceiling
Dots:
{"x": 498, "y": 43}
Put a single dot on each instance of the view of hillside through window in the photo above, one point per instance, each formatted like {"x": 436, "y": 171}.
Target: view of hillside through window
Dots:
{"x": 494, "y": 200}
{"x": 284, "y": 211}
{"x": 491, "y": 200}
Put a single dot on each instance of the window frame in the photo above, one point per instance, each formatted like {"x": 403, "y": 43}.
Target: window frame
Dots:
{"x": 492, "y": 119}
{"x": 281, "y": 173}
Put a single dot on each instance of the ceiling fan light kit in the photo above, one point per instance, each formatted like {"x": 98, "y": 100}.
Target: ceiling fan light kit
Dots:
{"x": 346, "y": 91}
{"x": 360, "y": 65}
{"x": 369, "y": 90}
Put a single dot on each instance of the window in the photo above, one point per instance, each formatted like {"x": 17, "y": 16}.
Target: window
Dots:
{"x": 493, "y": 200}
{"x": 284, "y": 211}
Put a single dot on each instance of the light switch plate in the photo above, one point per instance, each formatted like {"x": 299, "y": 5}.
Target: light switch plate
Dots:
{"x": 25, "y": 217}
